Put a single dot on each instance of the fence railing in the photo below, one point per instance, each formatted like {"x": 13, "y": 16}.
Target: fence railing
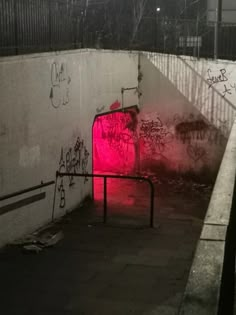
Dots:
{"x": 210, "y": 102}
{"x": 105, "y": 177}
{"x": 29, "y": 26}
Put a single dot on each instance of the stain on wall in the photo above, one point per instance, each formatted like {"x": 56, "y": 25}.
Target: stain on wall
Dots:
{"x": 195, "y": 127}
{"x": 29, "y": 156}
{"x": 3, "y": 130}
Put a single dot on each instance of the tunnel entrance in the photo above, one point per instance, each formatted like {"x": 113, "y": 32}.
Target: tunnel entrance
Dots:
{"x": 115, "y": 144}
{"x": 117, "y": 147}
{"x": 116, "y": 151}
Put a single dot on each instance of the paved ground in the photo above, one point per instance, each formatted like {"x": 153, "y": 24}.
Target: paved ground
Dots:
{"x": 122, "y": 268}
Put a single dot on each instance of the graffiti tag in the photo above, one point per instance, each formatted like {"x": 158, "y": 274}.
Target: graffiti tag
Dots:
{"x": 214, "y": 79}
{"x": 60, "y": 81}
{"x": 74, "y": 160}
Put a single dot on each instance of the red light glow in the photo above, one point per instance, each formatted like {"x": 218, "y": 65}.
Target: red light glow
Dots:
{"x": 113, "y": 144}
{"x": 113, "y": 150}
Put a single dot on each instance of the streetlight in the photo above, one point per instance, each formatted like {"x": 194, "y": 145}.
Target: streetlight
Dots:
{"x": 158, "y": 9}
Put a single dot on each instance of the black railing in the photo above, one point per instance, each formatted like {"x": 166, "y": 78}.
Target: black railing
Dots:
{"x": 105, "y": 177}
{"x": 26, "y": 190}
{"x": 29, "y": 26}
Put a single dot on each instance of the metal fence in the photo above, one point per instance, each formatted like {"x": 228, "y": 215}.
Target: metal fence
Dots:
{"x": 187, "y": 37}
{"x": 28, "y": 26}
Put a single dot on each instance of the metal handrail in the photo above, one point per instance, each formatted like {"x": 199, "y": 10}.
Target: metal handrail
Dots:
{"x": 23, "y": 191}
{"x": 105, "y": 177}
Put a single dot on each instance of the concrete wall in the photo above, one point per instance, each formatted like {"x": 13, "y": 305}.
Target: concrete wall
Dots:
{"x": 207, "y": 85}
{"x": 185, "y": 119}
{"x": 220, "y": 76}
{"x": 48, "y": 104}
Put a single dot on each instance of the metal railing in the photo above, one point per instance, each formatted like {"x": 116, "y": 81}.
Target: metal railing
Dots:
{"x": 105, "y": 177}
{"x": 212, "y": 103}
{"x": 26, "y": 190}
{"x": 29, "y": 26}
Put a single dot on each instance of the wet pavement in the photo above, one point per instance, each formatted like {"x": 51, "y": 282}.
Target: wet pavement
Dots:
{"x": 121, "y": 268}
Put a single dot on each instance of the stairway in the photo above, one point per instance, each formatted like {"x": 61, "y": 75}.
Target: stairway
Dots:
{"x": 219, "y": 111}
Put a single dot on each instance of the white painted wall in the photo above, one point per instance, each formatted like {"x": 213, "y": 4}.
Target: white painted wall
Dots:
{"x": 48, "y": 105}
{"x": 47, "y": 102}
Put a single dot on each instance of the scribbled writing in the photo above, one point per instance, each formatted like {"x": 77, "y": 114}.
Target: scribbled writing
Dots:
{"x": 118, "y": 130}
{"x": 227, "y": 91}
{"x": 226, "y": 87}
{"x": 73, "y": 160}
{"x": 219, "y": 77}
{"x": 116, "y": 134}
{"x": 60, "y": 82}
{"x": 155, "y": 136}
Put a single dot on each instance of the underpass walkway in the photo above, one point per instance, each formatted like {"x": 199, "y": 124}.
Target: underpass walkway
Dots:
{"x": 121, "y": 268}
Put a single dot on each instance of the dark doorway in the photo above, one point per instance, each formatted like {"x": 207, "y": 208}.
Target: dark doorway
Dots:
{"x": 115, "y": 143}
{"x": 116, "y": 151}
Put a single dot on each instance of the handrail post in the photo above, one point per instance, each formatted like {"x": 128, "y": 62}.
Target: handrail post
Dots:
{"x": 105, "y": 177}
{"x": 54, "y": 197}
{"x": 105, "y": 200}
{"x": 16, "y": 28}
{"x": 151, "y": 205}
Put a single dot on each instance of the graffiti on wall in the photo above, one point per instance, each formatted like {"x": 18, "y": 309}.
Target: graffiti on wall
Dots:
{"x": 214, "y": 78}
{"x": 60, "y": 82}
{"x": 115, "y": 129}
{"x": 194, "y": 127}
{"x": 115, "y": 105}
{"x": 154, "y": 136}
{"x": 122, "y": 142}
{"x": 220, "y": 76}
{"x": 115, "y": 138}
{"x": 73, "y": 160}
{"x": 196, "y": 152}
{"x": 192, "y": 130}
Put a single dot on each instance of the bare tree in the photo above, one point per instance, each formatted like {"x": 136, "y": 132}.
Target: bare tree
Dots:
{"x": 138, "y": 8}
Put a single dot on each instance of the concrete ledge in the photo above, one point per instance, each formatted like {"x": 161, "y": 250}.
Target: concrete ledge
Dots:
{"x": 213, "y": 232}
{"x": 54, "y": 53}
{"x": 209, "y": 287}
{"x": 202, "y": 291}
{"x": 221, "y": 201}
